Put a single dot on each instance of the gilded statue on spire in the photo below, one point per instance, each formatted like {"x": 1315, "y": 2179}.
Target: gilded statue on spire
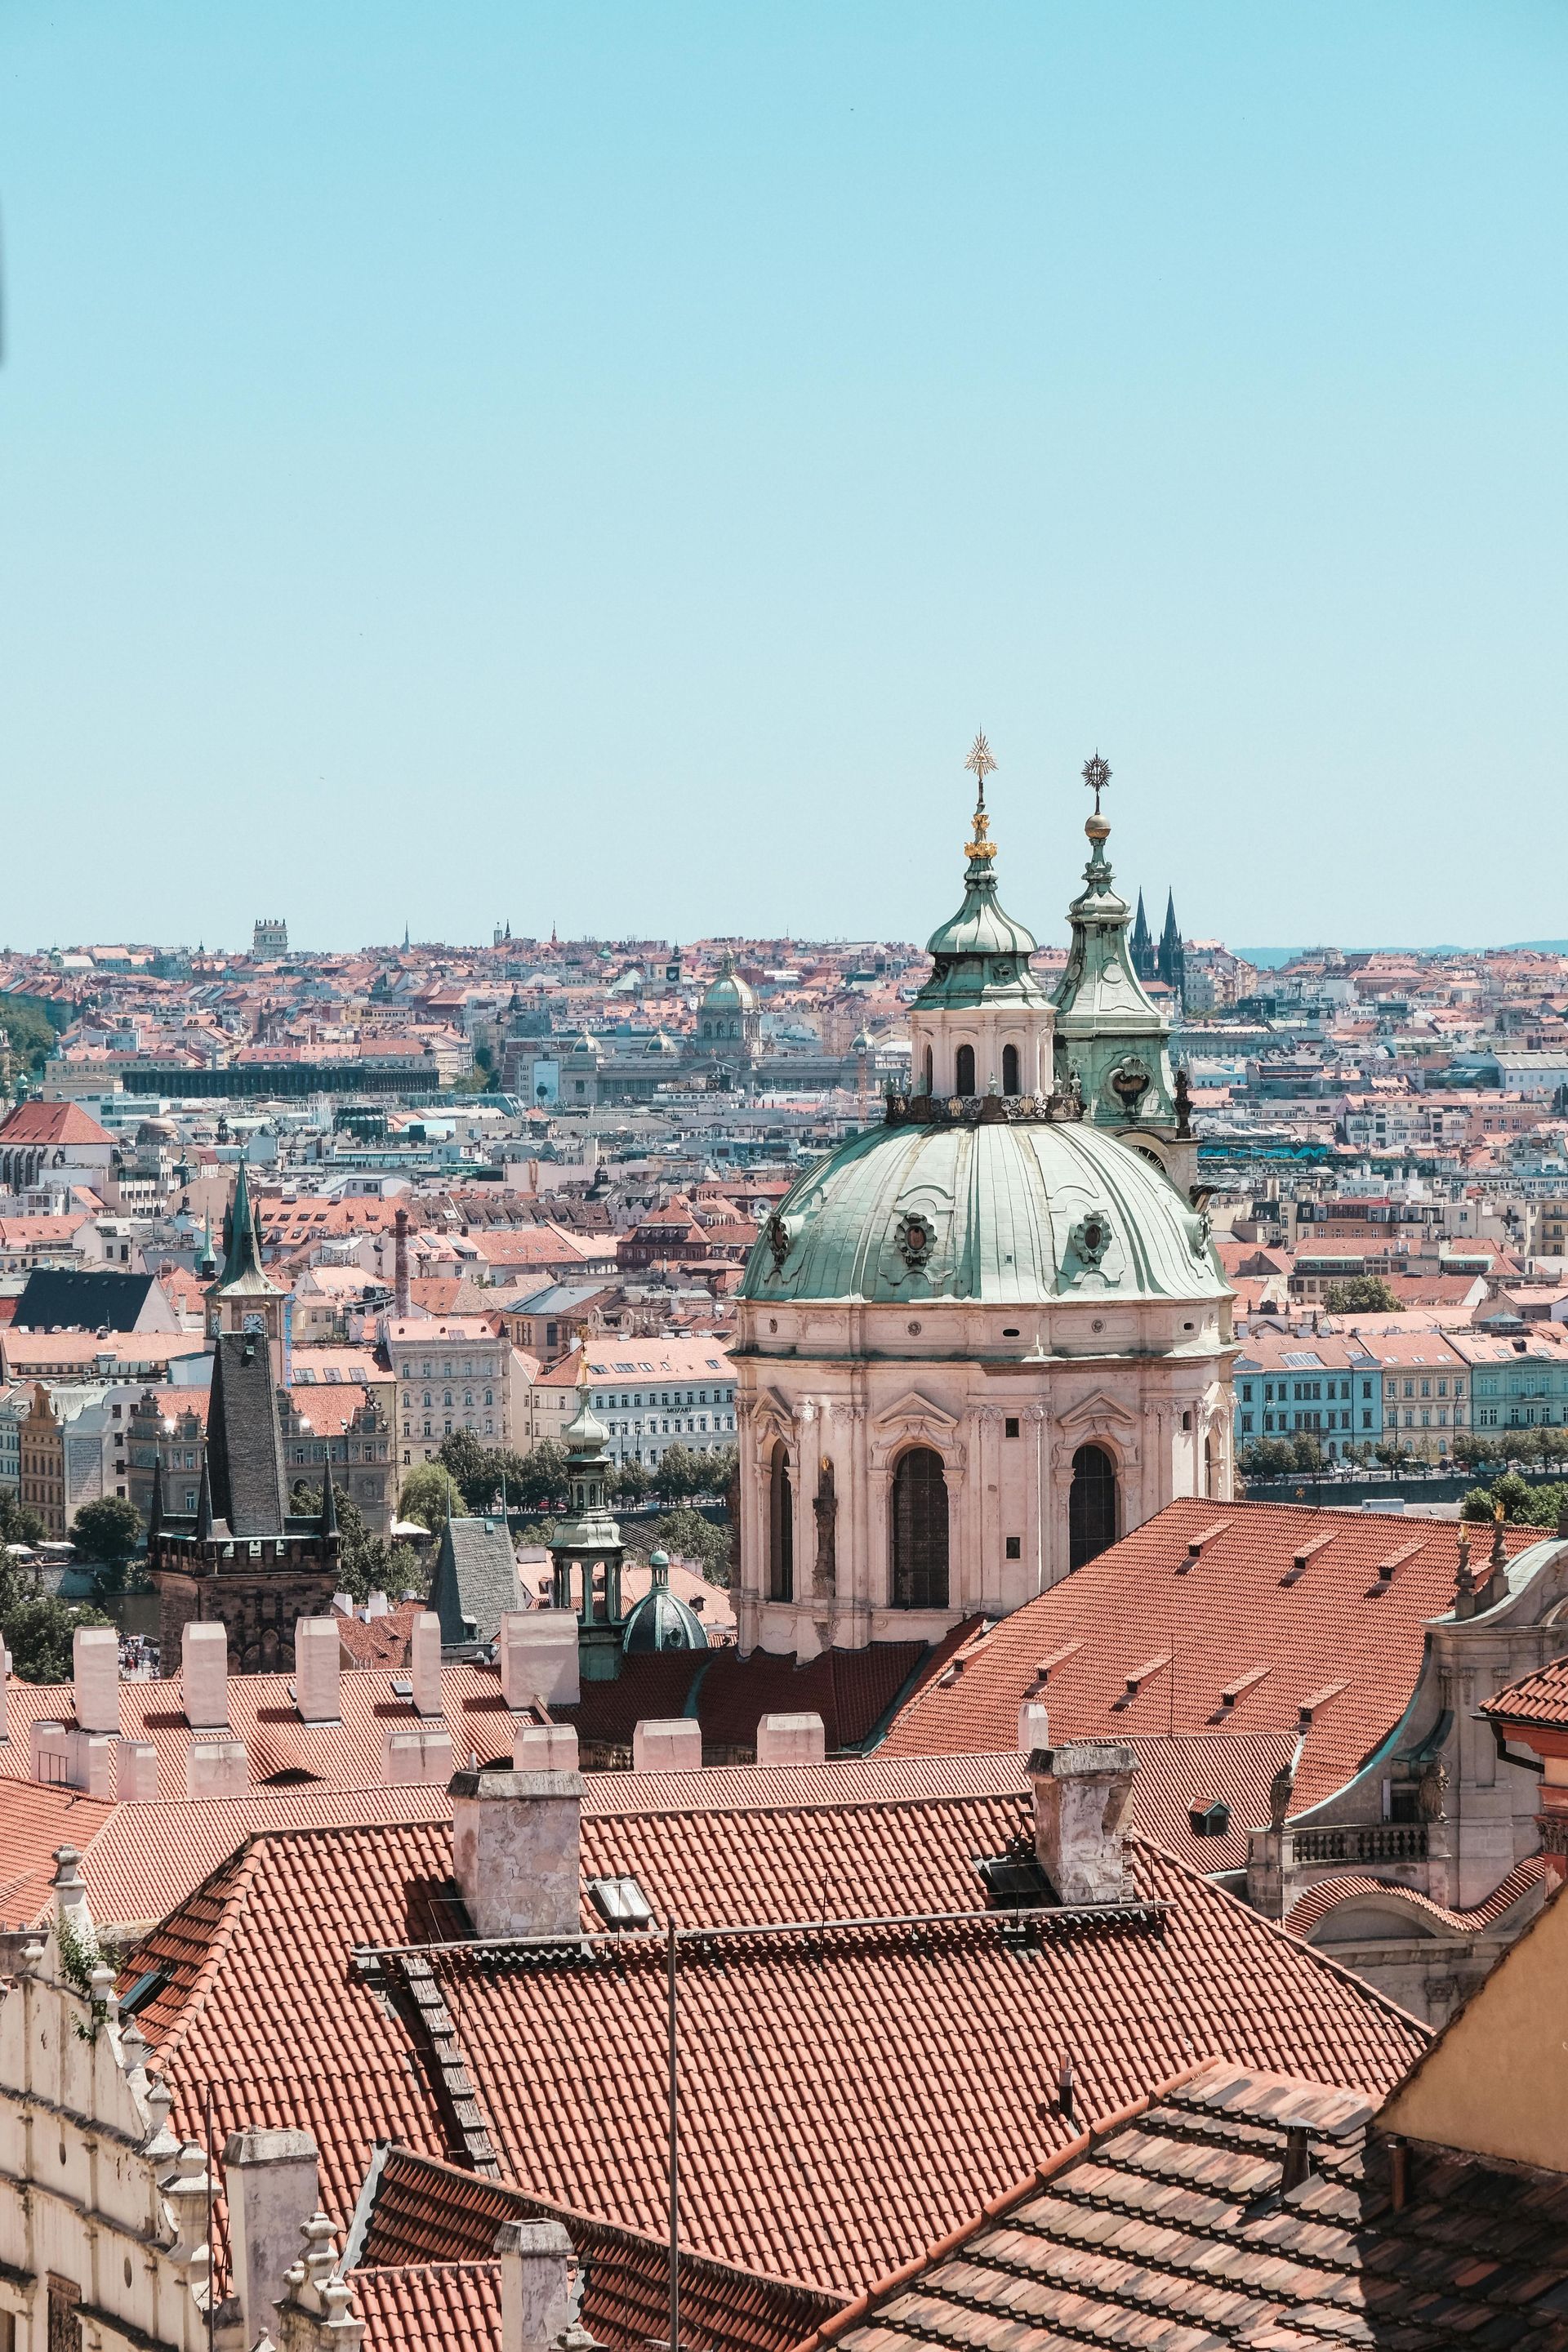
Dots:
{"x": 1097, "y": 775}
{"x": 980, "y": 763}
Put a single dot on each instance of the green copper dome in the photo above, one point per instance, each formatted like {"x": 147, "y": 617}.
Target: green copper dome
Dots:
{"x": 993, "y": 1209}
{"x": 981, "y": 955}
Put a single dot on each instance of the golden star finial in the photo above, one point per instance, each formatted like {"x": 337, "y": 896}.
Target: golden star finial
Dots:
{"x": 1097, "y": 775}
{"x": 980, "y": 763}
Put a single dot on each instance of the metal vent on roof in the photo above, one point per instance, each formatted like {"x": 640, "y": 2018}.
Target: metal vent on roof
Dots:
{"x": 620, "y": 1902}
{"x": 401, "y": 1687}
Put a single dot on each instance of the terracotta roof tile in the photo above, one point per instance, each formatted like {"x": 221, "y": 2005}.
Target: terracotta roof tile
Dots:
{"x": 1311, "y": 1909}
{"x": 1540, "y": 1698}
{"x": 1173, "y": 2230}
{"x": 1240, "y": 1606}
{"x": 850, "y": 2092}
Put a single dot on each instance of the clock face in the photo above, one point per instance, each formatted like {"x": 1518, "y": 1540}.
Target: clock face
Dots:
{"x": 255, "y": 1323}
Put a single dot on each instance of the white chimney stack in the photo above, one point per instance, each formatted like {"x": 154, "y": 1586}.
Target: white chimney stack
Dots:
{"x": 204, "y": 1676}
{"x": 317, "y": 1666}
{"x": 517, "y": 1851}
{"x": 216, "y": 1768}
{"x": 534, "y": 2260}
{"x": 545, "y": 1748}
{"x": 95, "y": 1670}
{"x": 423, "y": 1755}
{"x": 271, "y": 2185}
{"x": 135, "y": 1771}
{"x": 1034, "y": 1727}
{"x": 425, "y": 1663}
{"x": 539, "y": 1658}
{"x": 791, "y": 1739}
{"x": 674, "y": 1745}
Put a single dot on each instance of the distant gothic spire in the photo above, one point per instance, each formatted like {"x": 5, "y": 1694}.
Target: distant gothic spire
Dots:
{"x": 328, "y": 1498}
{"x": 204, "y": 1505}
{"x": 155, "y": 1507}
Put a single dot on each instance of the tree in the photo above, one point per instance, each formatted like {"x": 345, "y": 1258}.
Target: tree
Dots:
{"x": 1523, "y": 1506}
{"x": 468, "y": 1464}
{"x": 542, "y": 1483}
{"x": 632, "y": 1483}
{"x": 38, "y": 1632}
{"x": 688, "y": 1532}
{"x": 430, "y": 1494}
{"x": 1266, "y": 1457}
{"x": 366, "y": 1563}
{"x": 678, "y": 1476}
{"x": 1360, "y": 1293}
{"x": 32, "y": 1024}
{"x": 19, "y": 1523}
{"x": 109, "y": 1529}
{"x": 1307, "y": 1452}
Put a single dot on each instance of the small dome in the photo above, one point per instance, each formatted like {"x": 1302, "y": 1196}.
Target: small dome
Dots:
{"x": 864, "y": 1043}
{"x": 586, "y": 1050}
{"x": 660, "y": 1621}
{"x": 661, "y": 1043}
{"x": 157, "y": 1131}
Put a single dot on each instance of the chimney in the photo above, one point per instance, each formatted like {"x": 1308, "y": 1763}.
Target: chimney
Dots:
{"x": 785, "y": 1740}
{"x": 517, "y": 1851}
{"x": 545, "y": 1748}
{"x": 95, "y": 1671}
{"x": 674, "y": 1745}
{"x": 1034, "y": 1727}
{"x": 204, "y": 1676}
{"x": 316, "y": 1669}
{"x": 539, "y": 1658}
{"x": 535, "y": 2259}
{"x": 269, "y": 2180}
{"x": 135, "y": 1771}
{"x": 425, "y": 1663}
{"x": 1081, "y": 1793}
{"x": 216, "y": 1768}
{"x": 423, "y": 1755}
{"x": 400, "y": 1266}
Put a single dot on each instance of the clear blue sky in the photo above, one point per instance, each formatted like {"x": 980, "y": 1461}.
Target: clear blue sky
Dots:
{"x": 600, "y": 463}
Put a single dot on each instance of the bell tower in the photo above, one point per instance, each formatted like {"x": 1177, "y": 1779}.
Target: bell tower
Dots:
{"x": 981, "y": 1023}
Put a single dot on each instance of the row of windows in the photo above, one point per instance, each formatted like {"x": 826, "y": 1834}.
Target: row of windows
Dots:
{"x": 631, "y": 1400}
{"x": 1302, "y": 1391}
{"x": 1425, "y": 1389}
{"x": 468, "y": 1422}
{"x": 691, "y": 1424}
{"x": 450, "y": 1369}
{"x": 1310, "y": 1420}
{"x": 445, "y": 1399}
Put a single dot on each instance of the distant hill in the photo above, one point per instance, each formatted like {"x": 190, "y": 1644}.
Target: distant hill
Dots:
{"x": 1266, "y": 959}
{"x": 1546, "y": 947}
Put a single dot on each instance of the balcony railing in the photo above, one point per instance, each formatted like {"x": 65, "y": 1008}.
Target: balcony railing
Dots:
{"x": 1379, "y": 1841}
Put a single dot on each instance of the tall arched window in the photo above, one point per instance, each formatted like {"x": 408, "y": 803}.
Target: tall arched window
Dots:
{"x": 1211, "y": 1467}
{"x": 1092, "y": 1505}
{"x": 928, "y": 1070}
{"x": 920, "y": 1531}
{"x": 1010, "y": 1069}
{"x": 781, "y": 1528}
{"x": 963, "y": 1071}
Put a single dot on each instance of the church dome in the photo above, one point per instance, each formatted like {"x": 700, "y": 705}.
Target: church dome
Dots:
{"x": 730, "y": 993}
{"x": 661, "y": 1621}
{"x": 1005, "y": 1209}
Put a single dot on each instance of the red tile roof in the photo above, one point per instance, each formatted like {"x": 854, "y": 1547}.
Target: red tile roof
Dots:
{"x": 454, "y": 2304}
{"x": 343, "y": 1755}
{"x": 379, "y": 1641}
{"x": 852, "y": 1690}
{"x": 851, "y": 2091}
{"x": 422, "y": 2212}
{"x": 1237, "y": 1606}
{"x": 1175, "y": 2230}
{"x": 52, "y": 1122}
{"x": 1311, "y": 1909}
{"x": 1540, "y": 1698}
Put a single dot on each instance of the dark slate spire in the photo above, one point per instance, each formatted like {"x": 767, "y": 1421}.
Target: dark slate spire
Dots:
{"x": 242, "y": 1253}
{"x": 155, "y": 1508}
{"x": 1173, "y": 961}
{"x": 204, "y": 1504}
{"x": 329, "y": 1500}
{"x": 244, "y": 1445}
{"x": 1143, "y": 944}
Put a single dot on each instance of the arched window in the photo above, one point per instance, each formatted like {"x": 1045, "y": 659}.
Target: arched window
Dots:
{"x": 1211, "y": 1467}
{"x": 1010, "y": 1069}
{"x": 1092, "y": 1505}
{"x": 963, "y": 1071}
{"x": 920, "y": 1531}
{"x": 781, "y": 1528}
{"x": 928, "y": 1070}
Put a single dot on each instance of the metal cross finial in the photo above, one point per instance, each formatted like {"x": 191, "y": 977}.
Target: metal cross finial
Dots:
{"x": 1097, "y": 775}
{"x": 981, "y": 761}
